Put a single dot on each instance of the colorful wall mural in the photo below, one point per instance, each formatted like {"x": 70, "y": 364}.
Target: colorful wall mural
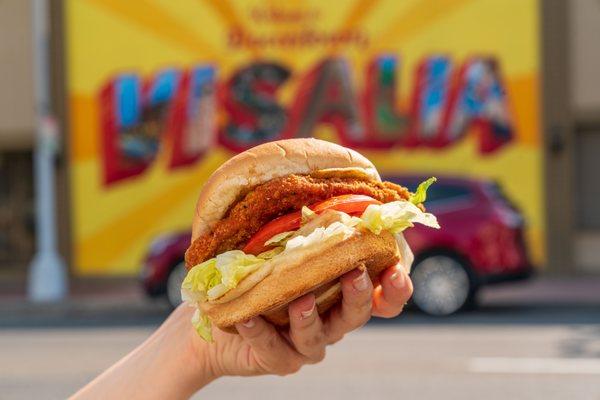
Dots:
{"x": 162, "y": 92}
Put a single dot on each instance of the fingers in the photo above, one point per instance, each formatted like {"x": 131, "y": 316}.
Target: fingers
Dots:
{"x": 268, "y": 351}
{"x": 395, "y": 290}
{"x": 355, "y": 309}
{"x": 306, "y": 329}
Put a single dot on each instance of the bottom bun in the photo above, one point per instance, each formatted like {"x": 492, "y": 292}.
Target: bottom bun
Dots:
{"x": 315, "y": 269}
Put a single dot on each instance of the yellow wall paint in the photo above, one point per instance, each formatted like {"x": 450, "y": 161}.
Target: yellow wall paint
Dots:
{"x": 113, "y": 226}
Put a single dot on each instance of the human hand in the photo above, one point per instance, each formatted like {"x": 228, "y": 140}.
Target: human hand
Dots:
{"x": 174, "y": 362}
{"x": 260, "y": 349}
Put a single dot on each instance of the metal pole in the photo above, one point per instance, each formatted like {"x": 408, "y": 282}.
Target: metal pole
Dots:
{"x": 47, "y": 273}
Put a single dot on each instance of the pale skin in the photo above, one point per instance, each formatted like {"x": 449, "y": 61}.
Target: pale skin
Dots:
{"x": 174, "y": 363}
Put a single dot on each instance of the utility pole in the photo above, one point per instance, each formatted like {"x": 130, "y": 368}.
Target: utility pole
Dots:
{"x": 47, "y": 273}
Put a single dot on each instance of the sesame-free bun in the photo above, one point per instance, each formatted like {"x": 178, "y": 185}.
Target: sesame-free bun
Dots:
{"x": 265, "y": 162}
{"x": 315, "y": 268}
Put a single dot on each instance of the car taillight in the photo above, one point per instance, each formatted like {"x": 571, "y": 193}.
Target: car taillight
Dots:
{"x": 499, "y": 246}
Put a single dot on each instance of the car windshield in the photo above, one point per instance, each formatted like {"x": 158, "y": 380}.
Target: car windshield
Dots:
{"x": 439, "y": 193}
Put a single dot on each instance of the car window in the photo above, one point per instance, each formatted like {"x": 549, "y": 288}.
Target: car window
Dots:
{"x": 439, "y": 193}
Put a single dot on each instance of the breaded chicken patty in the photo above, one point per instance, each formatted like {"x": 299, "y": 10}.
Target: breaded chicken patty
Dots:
{"x": 278, "y": 197}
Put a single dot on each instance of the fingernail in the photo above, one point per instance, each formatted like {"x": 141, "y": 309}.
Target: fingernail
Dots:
{"x": 361, "y": 282}
{"x": 308, "y": 313}
{"x": 397, "y": 279}
{"x": 249, "y": 324}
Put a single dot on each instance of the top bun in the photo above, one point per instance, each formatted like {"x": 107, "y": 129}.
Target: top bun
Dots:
{"x": 263, "y": 163}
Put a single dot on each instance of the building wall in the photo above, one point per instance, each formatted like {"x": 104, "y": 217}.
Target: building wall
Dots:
{"x": 17, "y": 124}
{"x": 584, "y": 76}
{"x": 16, "y": 71}
{"x": 585, "y": 55}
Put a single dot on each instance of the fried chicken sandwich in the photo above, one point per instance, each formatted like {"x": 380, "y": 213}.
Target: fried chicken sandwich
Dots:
{"x": 287, "y": 218}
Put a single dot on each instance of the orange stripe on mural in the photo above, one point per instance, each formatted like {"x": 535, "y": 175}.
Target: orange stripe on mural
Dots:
{"x": 159, "y": 21}
{"x": 523, "y": 96}
{"x": 359, "y": 12}
{"x": 85, "y": 124}
{"x": 115, "y": 237}
{"x": 417, "y": 18}
{"x": 228, "y": 14}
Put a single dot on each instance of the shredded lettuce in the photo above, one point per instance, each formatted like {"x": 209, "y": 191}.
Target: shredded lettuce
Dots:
{"x": 199, "y": 280}
{"x": 267, "y": 255}
{"x": 395, "y": 217}
{"x": 350, "y": 221}
{"x": 420, "y": 195}
{"x": 202, "y": 325}
{"x": 307, "y": 215}
{"x": 406, "y": 255}
{"x": 320, "y": 235}
{"x": 279, "y": 239}
{"x": 214, "y": 277}
{"x": 234, "y": 266}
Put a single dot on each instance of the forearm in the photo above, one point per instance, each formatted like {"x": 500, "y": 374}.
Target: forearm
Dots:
{"x": 171, "y": 364}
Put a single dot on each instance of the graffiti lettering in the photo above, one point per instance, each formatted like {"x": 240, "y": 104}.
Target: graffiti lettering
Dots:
{"x": 180, "y": 108}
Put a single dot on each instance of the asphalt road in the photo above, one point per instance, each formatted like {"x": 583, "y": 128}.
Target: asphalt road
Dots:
{"x": 494, "y": 353}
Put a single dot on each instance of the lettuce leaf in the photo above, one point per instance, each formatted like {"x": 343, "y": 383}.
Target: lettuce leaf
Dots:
{"x": 307, "y": 215}
{"x": 214, "y": 277}
{"x": 202, "y": 325}
{"x": 320, "y": 235}
{"x": 420, "y": 195}
{"x": 199, "y": 280}
{"x": 406, "y": 255}
{"x": 279, "y": 239}
{"x": 233, "y": 266}
{"x": 267, "y": 255}
{"x": 395, "y": 217}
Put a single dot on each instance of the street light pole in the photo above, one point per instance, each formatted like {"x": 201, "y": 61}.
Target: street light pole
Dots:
{"x": 47, "y": 273}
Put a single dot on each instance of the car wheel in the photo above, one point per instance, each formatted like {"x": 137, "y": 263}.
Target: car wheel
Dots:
{"x": 442, "y": 285}
{"x": 174, "y": 281}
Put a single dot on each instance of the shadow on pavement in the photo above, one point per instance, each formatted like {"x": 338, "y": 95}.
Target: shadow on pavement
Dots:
{"x": 154, "y": 314}
{"x": 506, "y": 314}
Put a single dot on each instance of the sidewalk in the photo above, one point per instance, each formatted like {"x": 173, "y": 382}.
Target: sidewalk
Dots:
{"x": 122, "y": 302}
{"x": 542, "y": 290}
{"x": 106, "y": 301}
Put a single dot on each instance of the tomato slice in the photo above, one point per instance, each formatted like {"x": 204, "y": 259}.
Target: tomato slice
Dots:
{"x": 288, "y": 222}
{"x": 349, "y": 203}
{"x": 352, "y": 204}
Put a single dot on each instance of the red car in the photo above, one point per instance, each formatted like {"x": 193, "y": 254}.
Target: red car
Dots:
{"x": 481, "y": 242}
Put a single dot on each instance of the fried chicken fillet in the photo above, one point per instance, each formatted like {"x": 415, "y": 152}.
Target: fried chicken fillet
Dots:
{"x": 278, "y": 197}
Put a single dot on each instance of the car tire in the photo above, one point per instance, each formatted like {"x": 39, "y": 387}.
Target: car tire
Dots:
{"x": 176, "y": 277}
{"x": 442, "y": 284}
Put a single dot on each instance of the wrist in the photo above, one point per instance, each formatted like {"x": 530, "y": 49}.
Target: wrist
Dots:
{"x": 197, "y": 362}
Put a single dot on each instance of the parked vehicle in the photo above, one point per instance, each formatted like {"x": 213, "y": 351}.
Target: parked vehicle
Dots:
{"x": 481, "y": 242}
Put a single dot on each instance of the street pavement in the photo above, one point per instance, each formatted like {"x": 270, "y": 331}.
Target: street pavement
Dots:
{"x": 520, "y": 344}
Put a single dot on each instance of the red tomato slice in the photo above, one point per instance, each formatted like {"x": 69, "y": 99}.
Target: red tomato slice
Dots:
{"x": 351, "y": 204}
{"x": 288, "y": 222}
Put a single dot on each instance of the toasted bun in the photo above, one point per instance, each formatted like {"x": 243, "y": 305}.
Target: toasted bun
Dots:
{"x": 315, "y": 268}
{"x": 265, "y": 162}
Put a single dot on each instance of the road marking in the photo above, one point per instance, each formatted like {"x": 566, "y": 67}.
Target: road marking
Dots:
{"x": 515, "y": 365}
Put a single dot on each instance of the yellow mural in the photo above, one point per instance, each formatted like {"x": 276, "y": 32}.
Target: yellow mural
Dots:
{"x": 161, "y": 92}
